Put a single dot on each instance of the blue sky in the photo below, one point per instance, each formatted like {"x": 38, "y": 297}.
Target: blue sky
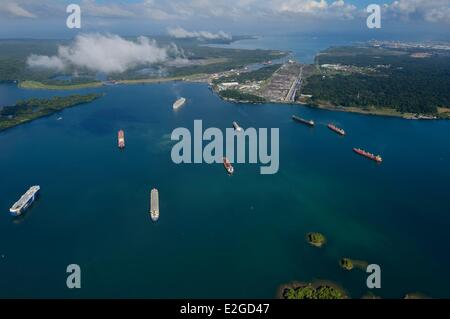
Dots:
{"x": 46, "y": 18}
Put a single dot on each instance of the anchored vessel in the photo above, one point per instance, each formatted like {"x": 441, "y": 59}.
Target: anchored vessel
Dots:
{"x": 376, "y": 158}
{"x": 237, "y": 127}
{"x": 336, "y": 129}
{"x": 121, "y": 139}
{"x": 179, "y": 103}
{"x": 25, "y": 201}
{"x": 299, "y": 119}
{"x": 228, "y": 166}
{"x": 154, "y": 204}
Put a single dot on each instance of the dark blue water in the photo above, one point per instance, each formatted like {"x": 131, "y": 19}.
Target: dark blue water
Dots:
{"x": 219, "y": 236}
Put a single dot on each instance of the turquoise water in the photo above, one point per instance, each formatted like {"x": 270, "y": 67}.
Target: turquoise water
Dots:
{"x": 219, "y": 236}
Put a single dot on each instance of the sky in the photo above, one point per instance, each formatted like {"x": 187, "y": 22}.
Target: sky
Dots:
{"x": 220, "y": 18}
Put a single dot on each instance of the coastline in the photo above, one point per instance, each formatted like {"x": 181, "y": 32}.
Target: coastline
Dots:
{"x": 444, "y": 113}
{"x": 47, "y": 110}
{"x": 35, "y": 85}
{"x": 388, "y": 112}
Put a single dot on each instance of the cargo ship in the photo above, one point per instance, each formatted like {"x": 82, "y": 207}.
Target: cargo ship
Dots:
{"x": 228, "y": 166}
{"x": 376, "y": 158}
{"x": 237, "y": 127}
{"x": 336, "y": 129}
{"x": 121, "y": 139}
{"x": 299, "y": 119}
{"x": 25, "y": 201}
{"x": 154, "y": 204}
{"x": 179, "y": 103}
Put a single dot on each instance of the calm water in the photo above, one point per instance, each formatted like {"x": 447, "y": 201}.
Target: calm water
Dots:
{"x": 219, "y": 236}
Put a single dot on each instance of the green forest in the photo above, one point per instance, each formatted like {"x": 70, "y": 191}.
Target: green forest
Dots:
{"x": 241, "y": 96}
{"x": 14, "y": 55}
{"x": 408, "y": 85}
{"x": 27, "y": 110}
{"x": 310, "y": 292}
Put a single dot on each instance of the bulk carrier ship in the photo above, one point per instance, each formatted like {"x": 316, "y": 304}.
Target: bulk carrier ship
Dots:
{"x": 303, "y": 121}
{"x": 154, "y": 204}
{"x": 25, "y": 201}
{"x": 376, "y": 158}
{"x": 336, "y": 129}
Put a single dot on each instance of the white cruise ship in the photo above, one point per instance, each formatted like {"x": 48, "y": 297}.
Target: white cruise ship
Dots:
{"x": 179, "y": 103}
{"x": 25, "y": 201}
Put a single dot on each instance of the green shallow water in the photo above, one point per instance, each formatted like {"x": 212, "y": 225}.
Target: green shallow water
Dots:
{"x": 219, "y": 236}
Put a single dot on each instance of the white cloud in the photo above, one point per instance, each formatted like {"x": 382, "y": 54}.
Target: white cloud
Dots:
{"x": 15, "y": 9}
{"x": 427, "y": 10}
{"x": 105, "y": 53}
{"x": 111, "y": 10}
{"x": 231, "y": 11}
{"x": 43, "y": 61}
{"x": 318, "y": 8}
{"x": 181, "y": 33}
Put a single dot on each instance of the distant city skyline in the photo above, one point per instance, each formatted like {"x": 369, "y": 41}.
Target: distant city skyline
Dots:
{"x": 46, "y": 18}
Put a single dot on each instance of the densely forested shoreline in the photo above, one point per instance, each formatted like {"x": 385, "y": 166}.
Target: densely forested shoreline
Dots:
{"x": 28, "y": 110}
{"x": 378, "y": 78}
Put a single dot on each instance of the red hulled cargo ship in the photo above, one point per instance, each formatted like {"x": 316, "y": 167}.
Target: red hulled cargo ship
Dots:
{"x": 228, "y": 166}
{"x": 376, "y": 158}
{"x": 121, "y": 139}
{"x": 336, "y": 129}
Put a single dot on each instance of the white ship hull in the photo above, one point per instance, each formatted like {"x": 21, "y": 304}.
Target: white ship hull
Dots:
{"x": 179, "y": 103}
{"x": 25, "y": 201}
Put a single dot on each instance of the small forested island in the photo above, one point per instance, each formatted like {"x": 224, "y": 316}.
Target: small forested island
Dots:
{"x": 370, "y": 295}
{"x": 349, "y": 264}
{"x": 27, "y": 110}
{"x": 346, "y": 263}
{"x": 311, "y": 291}
{"x": 416, "y": 295}
{"x": 316, "y": 239}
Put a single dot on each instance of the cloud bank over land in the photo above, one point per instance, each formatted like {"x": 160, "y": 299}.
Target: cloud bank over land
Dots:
{"x": 105, "y": 53}
{"x": 254, "y": 10}
{"x": 426, "y": 10}
{"x": 181, "y": 33}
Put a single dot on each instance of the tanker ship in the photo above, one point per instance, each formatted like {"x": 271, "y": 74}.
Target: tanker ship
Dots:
{"x": 376, "y": 158}
{"x": 336, "y": 129}
{"x": 303, "y": 121}
{"x": 154, "y": 204}
{"x": 228, "y": 166}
